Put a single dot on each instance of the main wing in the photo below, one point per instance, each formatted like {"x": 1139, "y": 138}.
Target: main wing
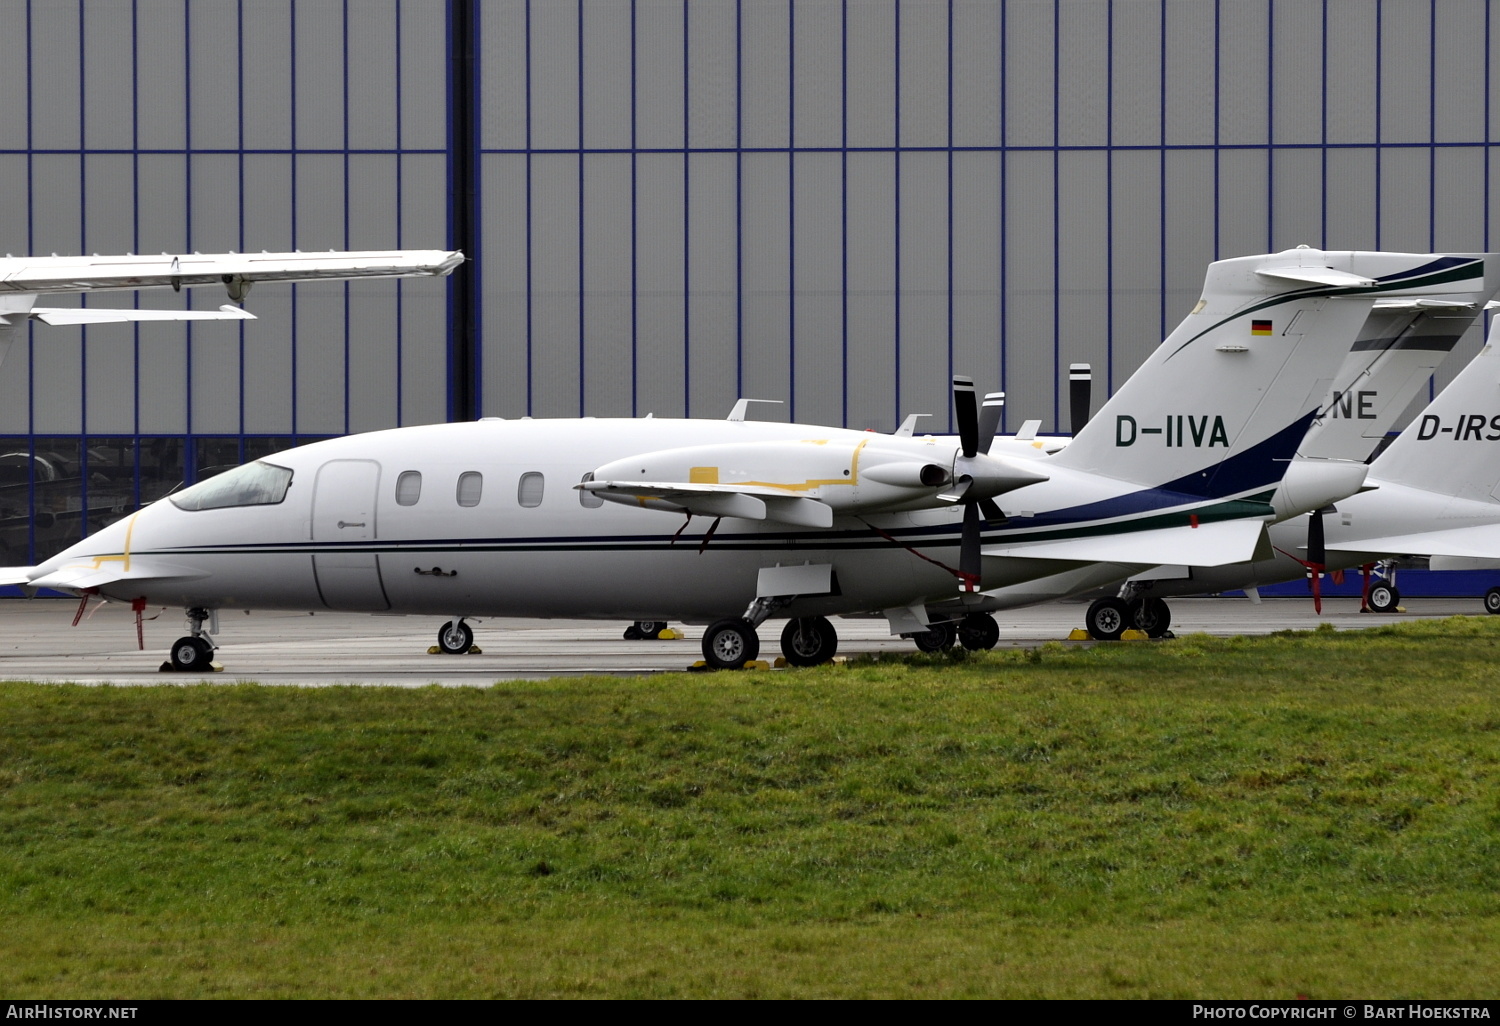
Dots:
{"x": 1215, "y": 544}
{"x": 45, "y": 275}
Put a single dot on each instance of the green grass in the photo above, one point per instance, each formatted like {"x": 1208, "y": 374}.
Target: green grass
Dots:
{"x": 1304, "y": 814}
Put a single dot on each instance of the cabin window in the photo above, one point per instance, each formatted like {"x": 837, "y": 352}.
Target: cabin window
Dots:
{"x": 529, "y": 494}
{"x": 408, "y": 488}
{"x": 470, "y": 484}
{"x": 588, "y": 500}
{"x": 254, "y": 484}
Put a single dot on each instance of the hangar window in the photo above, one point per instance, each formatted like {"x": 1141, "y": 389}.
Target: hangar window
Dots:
{"x": 254, "y": 484}
{"x": 529, "y": 494}
{"x": 588, "y": 500}
{"x": 470, "y": 484}
{"x": 408, "y": 488}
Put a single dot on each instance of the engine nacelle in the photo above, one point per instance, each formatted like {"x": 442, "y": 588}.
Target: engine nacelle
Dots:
{"x": 849, "y": 475}
{"x": 1310, "y": 485}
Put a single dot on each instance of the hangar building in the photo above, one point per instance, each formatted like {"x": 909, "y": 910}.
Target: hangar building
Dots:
{"x": 672, "y": 203}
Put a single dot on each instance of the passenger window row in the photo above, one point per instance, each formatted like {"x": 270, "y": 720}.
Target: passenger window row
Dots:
{"x": 471, "y": 487}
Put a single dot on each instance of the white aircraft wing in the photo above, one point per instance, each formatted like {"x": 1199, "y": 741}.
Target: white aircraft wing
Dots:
{"x": 716, "y": 500}
{"x": 1475, "y": 540}
{"x": 95, "y": 315}
{"x": 1216, "y": 544}
{"x": 236, "y": 270}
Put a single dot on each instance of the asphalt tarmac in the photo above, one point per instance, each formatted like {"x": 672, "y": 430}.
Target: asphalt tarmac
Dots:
{"x": 37, "y": 642}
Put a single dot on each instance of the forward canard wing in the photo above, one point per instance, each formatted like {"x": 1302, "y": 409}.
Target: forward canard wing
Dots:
{"x": 99, "y": 572}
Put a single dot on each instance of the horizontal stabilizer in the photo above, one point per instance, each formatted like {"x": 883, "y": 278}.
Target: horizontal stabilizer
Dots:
{"x": 95, "y": 315}
{"x": 1475, "y": 540}
{"x": 1316, "y": 276}
{"x": 103, "y": 572}
{"x": 1217, "y": 544}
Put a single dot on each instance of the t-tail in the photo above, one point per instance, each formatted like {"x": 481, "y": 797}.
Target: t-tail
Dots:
{"x": 1399, "y": 347}
{"x": 1221, "y": 406}
{"x": 1453, "y": 446}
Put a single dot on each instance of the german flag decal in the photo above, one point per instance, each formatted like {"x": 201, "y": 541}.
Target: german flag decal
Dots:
{"x": 1260, "y": 327}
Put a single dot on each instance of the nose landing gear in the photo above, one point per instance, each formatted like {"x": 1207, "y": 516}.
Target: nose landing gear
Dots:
{"x": 194, "y": 653}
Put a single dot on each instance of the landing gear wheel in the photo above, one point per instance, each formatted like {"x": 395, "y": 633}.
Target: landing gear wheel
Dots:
{"x": 939, "y": 637}
{"x": 191, "y": 655}
{"x": 1107, "y": 619}
{"x": 730, "y": 644}
{"x": 978, "y": 631}
{"x": 1492, "y": 601}
{"x": 632, "y": 633}
{"x": 1151, "y": 615}
{"x": 809, "y": 640}
{"x": 1384, "y": 598}
{"x": 649, "y": 630}
{"x": 455, "y": 638}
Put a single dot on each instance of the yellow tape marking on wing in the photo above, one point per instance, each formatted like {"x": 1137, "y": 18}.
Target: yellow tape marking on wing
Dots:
{"x": 818, "y": 482}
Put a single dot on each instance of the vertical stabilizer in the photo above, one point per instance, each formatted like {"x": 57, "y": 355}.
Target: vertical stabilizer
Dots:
{"x": 1453, "y": 446}
{"x": 1223, "y": 403}
{"x": 1402, "y": 342}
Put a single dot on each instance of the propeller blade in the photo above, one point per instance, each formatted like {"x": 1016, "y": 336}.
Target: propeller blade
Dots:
{"x": 1080, "y": 384}
{"x": 992, "y": 511}
{"x": 969, "y": 560}
{"x": 1317, "y": 558}
{"x": 989, "y": 419}
{"x": 1317, "y": 551}
{"x": 966, "y": 412}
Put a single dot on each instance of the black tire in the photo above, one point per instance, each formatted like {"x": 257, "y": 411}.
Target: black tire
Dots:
{"x": 809, "y": 640}
{"x": 455, "y": 638}
{"x": 938, "y": 637}
{"x": 648, "y": 630}
{"x": 1492, "y": 601}
{"x": 978, "y": 631}
{"x": 1153, "y": 616}
{"x": 730, "y": 644}
{"x": 191, "y": 655}
{"x": 1384, "y": 598}
{"x": 1107, "y": 619}
{"x": 632, "y": 633}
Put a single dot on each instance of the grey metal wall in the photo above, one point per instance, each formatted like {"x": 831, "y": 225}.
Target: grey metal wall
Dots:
{"x": 841, "y": 202}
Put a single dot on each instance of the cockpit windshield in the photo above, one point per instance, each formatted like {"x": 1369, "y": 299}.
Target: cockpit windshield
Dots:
{"x": 254, "y": 484}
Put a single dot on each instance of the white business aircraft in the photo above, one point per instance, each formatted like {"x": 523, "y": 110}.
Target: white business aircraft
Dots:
{"x": 1400, "y": 345}
{"x": 592, "y": 518}
{"x": 1438, "y": 485}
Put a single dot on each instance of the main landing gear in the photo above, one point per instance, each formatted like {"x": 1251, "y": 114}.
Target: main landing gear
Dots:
{"x": 645, "y": 630}
{"x": 975, "y": 632}
{"x": 1109, "y": 618}
{"x": 805, "y": 641}
{"x": 194, "y": 653}
{"x": 455, "y": 637}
